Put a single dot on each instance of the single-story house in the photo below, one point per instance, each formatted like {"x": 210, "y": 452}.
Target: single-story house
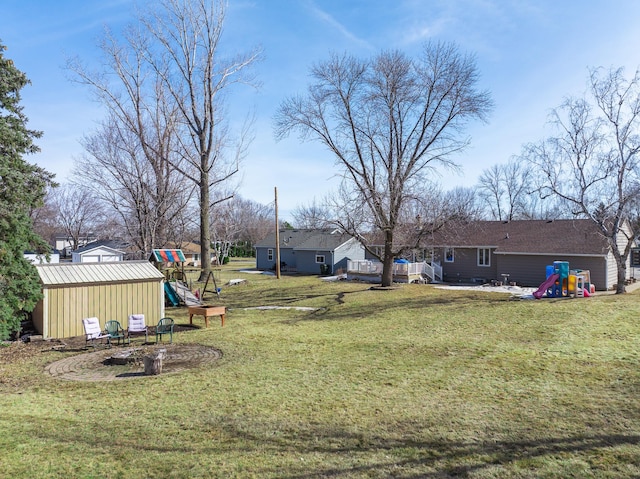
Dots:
{"x": 98, "y": 252}
{"x": 518, "y": 251}
{"x": 111, "y": 290}
{"x": 313, "y": 251}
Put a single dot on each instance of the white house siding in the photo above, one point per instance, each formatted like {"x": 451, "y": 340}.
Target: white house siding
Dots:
{"x": 351, "y": 250}
{"x": 612, "y": 271}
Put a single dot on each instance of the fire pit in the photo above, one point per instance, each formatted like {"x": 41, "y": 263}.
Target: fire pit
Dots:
{"x": 122, "y": 358}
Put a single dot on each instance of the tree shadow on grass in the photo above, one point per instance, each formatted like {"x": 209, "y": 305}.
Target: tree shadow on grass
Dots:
{"x": 388, "y": 306}
{"x": 422, "y": 459}
{"x": 336, "y": 452}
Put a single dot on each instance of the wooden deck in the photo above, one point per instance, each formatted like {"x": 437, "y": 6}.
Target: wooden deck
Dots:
{"x": 371, "y": 271}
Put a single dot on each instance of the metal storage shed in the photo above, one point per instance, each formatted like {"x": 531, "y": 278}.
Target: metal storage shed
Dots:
{"x": 73, "y": 291}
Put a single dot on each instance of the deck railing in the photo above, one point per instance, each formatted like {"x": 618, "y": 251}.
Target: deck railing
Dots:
{"x": 364, "y": 266}
{"x": 432, "y": 271}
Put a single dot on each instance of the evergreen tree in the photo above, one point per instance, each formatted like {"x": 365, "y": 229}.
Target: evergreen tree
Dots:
{"x": 22, "y": 188}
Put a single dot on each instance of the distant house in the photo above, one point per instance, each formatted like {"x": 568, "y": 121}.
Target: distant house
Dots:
{"x": 98, "y": 252}
{"x": 313, "y": 251}
{"x": 64, "y": 242}
{"x": 518, "y": 251}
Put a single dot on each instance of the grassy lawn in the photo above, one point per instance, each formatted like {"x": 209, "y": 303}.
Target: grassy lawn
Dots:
{"x": 409, "y": 383}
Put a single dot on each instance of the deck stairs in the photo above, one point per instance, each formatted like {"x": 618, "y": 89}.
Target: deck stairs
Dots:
{"x": 432, "y": 272}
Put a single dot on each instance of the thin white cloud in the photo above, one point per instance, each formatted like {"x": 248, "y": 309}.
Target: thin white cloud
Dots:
{"x": 335, "y": 24}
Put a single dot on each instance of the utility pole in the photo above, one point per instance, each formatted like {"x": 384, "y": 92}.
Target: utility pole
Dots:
{"x": 277, "y": 236}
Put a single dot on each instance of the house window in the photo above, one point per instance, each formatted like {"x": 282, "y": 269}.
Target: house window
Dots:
{"x": 484, "y": 257}
{"x": 269, "y": 254}
{"x": 449, "y": 256}
{"x": 320, "y": 258}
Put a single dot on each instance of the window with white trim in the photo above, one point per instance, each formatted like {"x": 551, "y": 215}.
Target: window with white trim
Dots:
{"x": 484, "y": 256}
{"x": 320, "y": 258}
{"x": 449, "y": 255}
{"x": 270, "y": 254}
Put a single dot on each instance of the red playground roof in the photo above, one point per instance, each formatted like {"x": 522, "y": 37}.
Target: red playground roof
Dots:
{"x": 168, "y": 255}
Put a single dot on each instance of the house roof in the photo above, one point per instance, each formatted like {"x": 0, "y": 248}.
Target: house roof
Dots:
{"x": 112, "y": 245}
{"x": 187, "y": 247}
{"x": 306, "y": 239}
{"x": 82, "y": 273}
{"x": 566, "y": 237}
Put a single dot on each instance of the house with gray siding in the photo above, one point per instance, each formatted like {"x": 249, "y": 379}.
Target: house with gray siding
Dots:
{"x": 518, "y": 251}
{"x": 309, "y": 251}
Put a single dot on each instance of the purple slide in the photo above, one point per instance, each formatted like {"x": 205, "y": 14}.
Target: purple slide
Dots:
{"x": 545, "y": 286}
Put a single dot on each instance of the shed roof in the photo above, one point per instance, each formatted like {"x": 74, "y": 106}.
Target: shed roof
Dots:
{"x": 111, "y": 272}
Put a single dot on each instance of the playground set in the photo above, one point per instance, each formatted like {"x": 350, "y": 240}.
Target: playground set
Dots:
{"x": 177, "y": 292}
{"x": 564, "y": 282}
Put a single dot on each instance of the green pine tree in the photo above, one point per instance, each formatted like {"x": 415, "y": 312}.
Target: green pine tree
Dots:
{"x": 22, "y": 188}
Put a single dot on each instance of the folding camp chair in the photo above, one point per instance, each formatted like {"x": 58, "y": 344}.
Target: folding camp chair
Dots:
{"x": 137, "y": 325}
{"x": 92, "y": 331}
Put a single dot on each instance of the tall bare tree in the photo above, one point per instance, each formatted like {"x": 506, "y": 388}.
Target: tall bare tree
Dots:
{"x": 312, "y": 215}
{"x": 145, "y": 195}
{"x": 239, "y": 221}
{"x": 592, "y": 161}
{"x": 505, "y": 189}
{"x": 173, "y": 72}
{"x": 194, "y": 75}
{"x": 389, "y": 122}
{"x": 78, "y": 212}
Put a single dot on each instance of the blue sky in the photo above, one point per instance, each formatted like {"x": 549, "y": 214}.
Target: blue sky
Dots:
{"x": 530, "y": 54}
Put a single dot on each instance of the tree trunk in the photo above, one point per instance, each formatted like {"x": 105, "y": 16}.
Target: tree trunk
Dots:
{"x": 622, "y": 274}
{"x": 387, "y": 264}
{"x": 205, "y": 230}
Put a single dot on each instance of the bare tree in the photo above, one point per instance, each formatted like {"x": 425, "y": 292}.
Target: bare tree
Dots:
{"x": 389, "y": 122}
{"x": 592, "y": 161}
{"x": 44, "y": 218}
{"x": 172, "y": 72}
{"x": 145, "y": 193}
{"x": 194, "y": 76}
{"x": 313, "y": 215}
{"x": 78, "y": 212}
{"x": 239, "y": 221}
{"x": 506, "y": 189}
